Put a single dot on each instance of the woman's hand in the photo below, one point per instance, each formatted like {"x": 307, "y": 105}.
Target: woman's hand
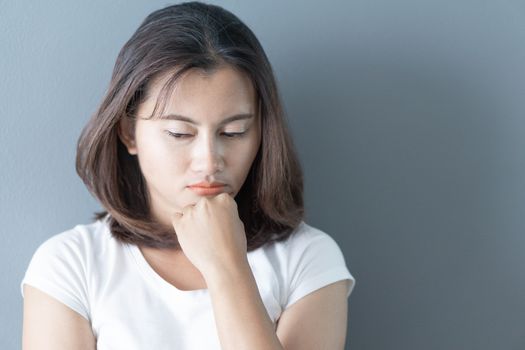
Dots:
{"x": 211, "y": 234}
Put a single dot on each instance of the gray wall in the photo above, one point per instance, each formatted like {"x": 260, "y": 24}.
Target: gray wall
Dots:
{"x": 409, "y": 118}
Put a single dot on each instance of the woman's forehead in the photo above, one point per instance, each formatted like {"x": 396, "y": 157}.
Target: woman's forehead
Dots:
{"x": 224, "y": 91}
{"x": 177, "y": 82}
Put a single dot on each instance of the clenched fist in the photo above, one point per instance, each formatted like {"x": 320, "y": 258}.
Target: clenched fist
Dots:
{"x": 210, "y": 233}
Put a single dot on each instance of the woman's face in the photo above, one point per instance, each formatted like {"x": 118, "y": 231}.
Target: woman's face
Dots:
{"x": 209, "y": 149}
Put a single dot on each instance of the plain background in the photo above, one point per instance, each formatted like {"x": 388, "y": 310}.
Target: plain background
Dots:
{"x": 409, "y": 117}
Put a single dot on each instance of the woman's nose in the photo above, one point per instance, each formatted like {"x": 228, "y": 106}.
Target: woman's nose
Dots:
{"x": 207, "y": 156}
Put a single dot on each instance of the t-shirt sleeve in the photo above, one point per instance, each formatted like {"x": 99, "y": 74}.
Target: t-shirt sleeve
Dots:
{"x": 315, "y": 260}
{"x": 57, "y": 268}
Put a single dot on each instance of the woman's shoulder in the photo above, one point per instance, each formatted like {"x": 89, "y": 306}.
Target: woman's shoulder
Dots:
{"x": 305, "y": 234}
{"x": 307, "y": 260}
{"x": 80, "y": 239}
{"x": 61, "y": 264}
{"x": 305, "y": 238}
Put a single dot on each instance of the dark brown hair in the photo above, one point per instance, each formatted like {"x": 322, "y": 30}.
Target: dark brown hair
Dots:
{"x": 182, "y": 37}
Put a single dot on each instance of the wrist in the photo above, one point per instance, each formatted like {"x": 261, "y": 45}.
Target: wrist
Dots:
{"x": 226, "y": 272}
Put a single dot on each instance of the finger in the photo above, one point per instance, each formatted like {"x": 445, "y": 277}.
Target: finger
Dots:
{"x": 175, "y": 217}
{"x": 187, "y": 209}
{"x": 226, "y": 198}
{"x": 222, "y": 197}
{"x": 201, "y": 202}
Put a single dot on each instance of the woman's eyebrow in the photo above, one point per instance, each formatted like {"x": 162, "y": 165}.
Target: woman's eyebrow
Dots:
{"x": 189, "y": 120}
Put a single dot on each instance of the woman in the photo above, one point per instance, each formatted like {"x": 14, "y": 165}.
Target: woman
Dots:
{"x": 202, "y": 244}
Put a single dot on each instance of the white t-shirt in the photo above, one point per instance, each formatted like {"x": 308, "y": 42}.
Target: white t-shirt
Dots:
{"x": 129, "y": 306}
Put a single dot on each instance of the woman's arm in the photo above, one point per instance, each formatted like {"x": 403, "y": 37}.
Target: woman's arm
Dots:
{"x": 241, "y": 318}
{"x": 316, "y": 321}
{"x": 50, "y": 325}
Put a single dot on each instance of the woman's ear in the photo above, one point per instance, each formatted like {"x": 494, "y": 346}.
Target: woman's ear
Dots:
{"x": 126, "y": 134}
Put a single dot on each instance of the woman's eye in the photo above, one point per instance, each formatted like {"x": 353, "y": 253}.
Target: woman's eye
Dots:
{"x": 177, "y": 135}
{"x": 227, "y": 134}
{"x": 233, "y": 134}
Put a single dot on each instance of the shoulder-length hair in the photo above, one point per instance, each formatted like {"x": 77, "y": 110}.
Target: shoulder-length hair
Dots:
{"x": 179, "y": 38}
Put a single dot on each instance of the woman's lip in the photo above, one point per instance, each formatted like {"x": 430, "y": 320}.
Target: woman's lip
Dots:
{"x": 207, "y": 184}
{"x": 205, "y": 191}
